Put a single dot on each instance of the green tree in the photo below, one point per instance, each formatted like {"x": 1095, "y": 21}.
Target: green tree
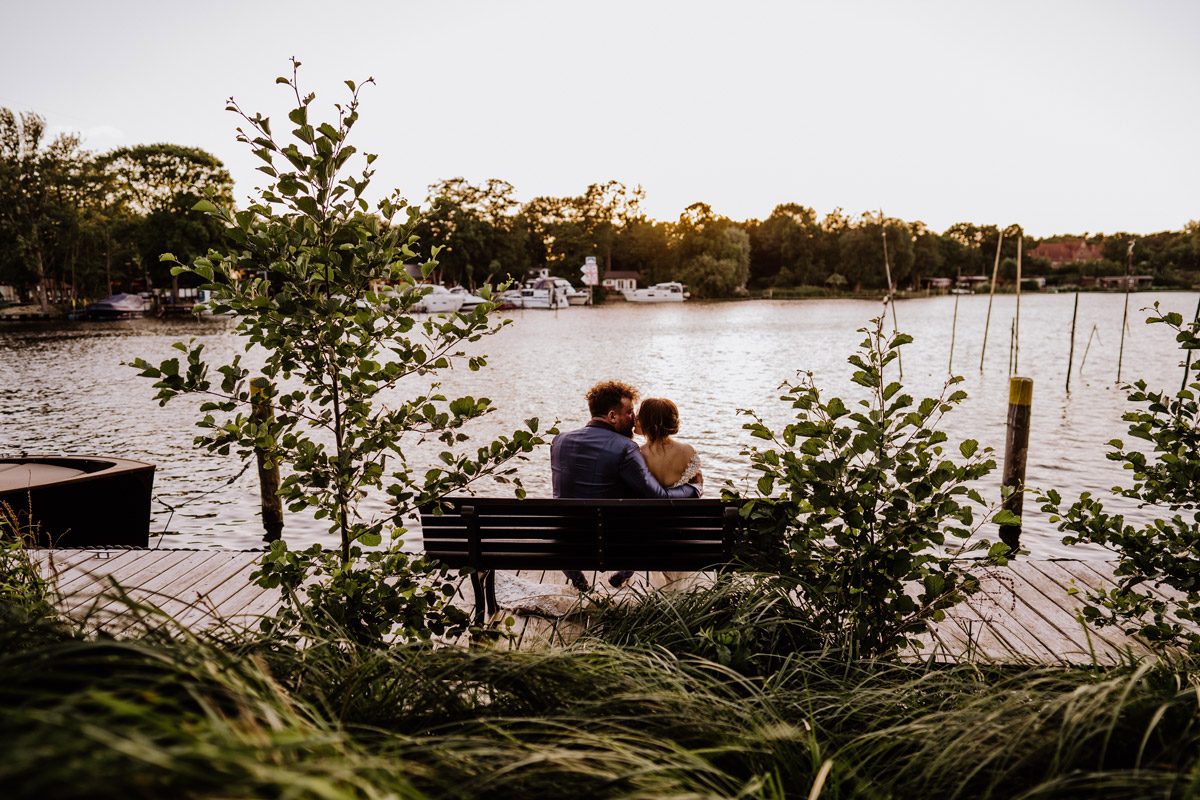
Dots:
{"x": 721, "y": 261}
{"x": 37, "y": 216}
{"x": 786, "y": 248}
{"x": 644, "y": 246}
{"x": 338, "y": 351}
{"x": 161, "y": 184}
{"x": 478, "y": 229}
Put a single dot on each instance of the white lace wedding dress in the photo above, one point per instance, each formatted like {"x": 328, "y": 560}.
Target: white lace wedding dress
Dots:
{"x": 677, "y": 580}
{"x": 689, "y": 471}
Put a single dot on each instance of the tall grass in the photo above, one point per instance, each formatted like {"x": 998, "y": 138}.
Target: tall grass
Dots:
{"x": 645, "y": 705}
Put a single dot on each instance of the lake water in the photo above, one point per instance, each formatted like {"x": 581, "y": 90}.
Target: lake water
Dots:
{"x": 64, "y": 390}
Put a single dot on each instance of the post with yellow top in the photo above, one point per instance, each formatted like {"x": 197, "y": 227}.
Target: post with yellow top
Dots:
{"x": 1016, "y": 448}
{"x": 268, "y": 477}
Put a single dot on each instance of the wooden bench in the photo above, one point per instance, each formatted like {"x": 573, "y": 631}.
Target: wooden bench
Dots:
{"x": 492, "y": 533}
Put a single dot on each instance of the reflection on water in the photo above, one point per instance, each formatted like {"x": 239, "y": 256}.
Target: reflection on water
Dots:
{"x": 64, "y": 390}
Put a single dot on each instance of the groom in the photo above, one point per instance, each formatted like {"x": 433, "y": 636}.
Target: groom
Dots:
{"x": 601, "y": 460}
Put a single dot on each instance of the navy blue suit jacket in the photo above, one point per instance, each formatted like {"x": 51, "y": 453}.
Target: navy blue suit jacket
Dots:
{"x": 596, "y": 461}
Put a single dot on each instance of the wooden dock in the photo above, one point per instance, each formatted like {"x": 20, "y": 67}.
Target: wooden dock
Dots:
{"x": 1024, "y": 612}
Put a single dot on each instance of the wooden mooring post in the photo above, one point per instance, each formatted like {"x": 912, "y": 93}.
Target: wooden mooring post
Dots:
{"x": 268, "y": 477}
{"x": 1071, "y": 354}
{"x": 1016, "y": 448}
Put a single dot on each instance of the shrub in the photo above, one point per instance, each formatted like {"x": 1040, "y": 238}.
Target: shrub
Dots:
{"x": 1154, "y": 552}
{"x": 857, "y": 506}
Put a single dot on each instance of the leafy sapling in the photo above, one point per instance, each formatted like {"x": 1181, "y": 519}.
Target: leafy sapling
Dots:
{"x": 866, "y": 509}
{"x": 319, "y": 287}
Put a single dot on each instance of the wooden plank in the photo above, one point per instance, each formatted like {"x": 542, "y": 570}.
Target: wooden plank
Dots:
{"x": 1049, "y": 597}
{"x": 154, "y": 586}
{"x": 232, "y": 611}
{"x": 1028, "y": 631}
{"x": 1049, "y": 623}
{"x": 978, "y": 634}
{"x": 208, "y": 571}
{"x": 51, "y": 563}
{"x": 253, "y": 607}
{"x": 1019, "y": 643}
{"x": 1105, "y": 571}
{"x": 1118, "y": 641}
{"x": 129, "y": 573}
{"x": 97, "y": 565}
{"x": 1022, "y": 613}
{"x": 1101, "y": 575}
{"x": 217, "y": 589}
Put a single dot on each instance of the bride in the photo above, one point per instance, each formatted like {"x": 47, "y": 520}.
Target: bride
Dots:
{"x": 672, "y": 462}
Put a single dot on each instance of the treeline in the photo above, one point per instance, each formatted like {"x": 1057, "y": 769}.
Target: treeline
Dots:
{"x": 77, "y": 224}
{"x": 487, "y": 232}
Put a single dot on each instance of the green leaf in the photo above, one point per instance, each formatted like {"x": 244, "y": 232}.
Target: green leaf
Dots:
{"x": 1006, "y": 517}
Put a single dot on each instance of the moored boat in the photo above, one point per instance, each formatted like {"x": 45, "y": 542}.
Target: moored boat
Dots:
{"x": 545, "y": 293}
{"x": 119, "y": 306}
{"x": 469, "y": 300}
{"x": 669, "y": 292}
{"x": 69, "y": 501}
{"x": 439, "y": 300}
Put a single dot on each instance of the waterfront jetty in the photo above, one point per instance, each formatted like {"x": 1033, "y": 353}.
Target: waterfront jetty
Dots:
{"x": 1024, "y": 613}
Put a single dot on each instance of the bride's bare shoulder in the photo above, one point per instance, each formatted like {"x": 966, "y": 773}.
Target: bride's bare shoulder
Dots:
{"x": 686, "y": 449}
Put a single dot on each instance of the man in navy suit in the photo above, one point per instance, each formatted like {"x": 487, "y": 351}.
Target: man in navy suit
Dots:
{"x": 602, "y": 460}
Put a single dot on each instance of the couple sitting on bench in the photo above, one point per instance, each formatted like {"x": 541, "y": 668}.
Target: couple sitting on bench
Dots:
{"x": 601, "y": 460}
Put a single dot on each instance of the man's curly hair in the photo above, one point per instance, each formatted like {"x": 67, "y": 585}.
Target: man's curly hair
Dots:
{"x": 606, "y": 396}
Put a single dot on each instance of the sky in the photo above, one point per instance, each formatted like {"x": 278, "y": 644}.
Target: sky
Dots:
{"x": 1062, "y": 117}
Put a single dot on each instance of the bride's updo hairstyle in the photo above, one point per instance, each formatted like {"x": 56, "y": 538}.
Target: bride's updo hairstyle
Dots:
{"x": 659, "y": 418}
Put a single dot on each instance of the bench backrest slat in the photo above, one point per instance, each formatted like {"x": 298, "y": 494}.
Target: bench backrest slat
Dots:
{"x": 506, "y": 533}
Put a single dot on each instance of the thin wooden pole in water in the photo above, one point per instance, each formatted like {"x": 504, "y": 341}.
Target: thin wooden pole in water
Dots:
{"x": 1188, "y": 364}
{"x": 1095, "y": 332}
{"x": 1125, "y": 316}
{"x": 891, "y": 295}
{"x": 953, "y": 329}
{"x": 991, "y": 294}
{"x": 1017, "y": 319}
{"x": 1071, "y": 355}
{"x": 1012, "y": 338}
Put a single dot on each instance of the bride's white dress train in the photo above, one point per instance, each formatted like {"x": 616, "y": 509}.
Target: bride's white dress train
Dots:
{"x": 678, "y": 580}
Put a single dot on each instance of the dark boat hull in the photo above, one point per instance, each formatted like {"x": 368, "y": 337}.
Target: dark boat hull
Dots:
{"x": 78, "y": 501}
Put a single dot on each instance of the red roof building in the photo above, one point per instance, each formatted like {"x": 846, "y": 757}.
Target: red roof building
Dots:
{"x": 1060, "y": 253}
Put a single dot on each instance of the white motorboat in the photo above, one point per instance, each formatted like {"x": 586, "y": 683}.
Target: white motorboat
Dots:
{"x": 439, "y": 300}
{"x": 540, "y": 290}
{"x": 545, "y": 293}
{"x": 575, "y": 297}
{"x": 669, "y": 292}
{"x": 509, "y": 298}
{"x": 469, "y": 300}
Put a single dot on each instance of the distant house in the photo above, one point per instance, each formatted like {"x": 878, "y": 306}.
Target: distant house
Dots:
{"x": 618, "y": 280}
{"x": 1059, "y": 253}
{"x": 1118, "y": 281}
{"x": 58, "y": 291}
{"x": 937, "y": 283}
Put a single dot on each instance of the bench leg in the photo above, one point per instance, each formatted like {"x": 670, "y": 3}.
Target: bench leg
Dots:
{"x": 489, "y": 584}
{"x": 480, "y": 597}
